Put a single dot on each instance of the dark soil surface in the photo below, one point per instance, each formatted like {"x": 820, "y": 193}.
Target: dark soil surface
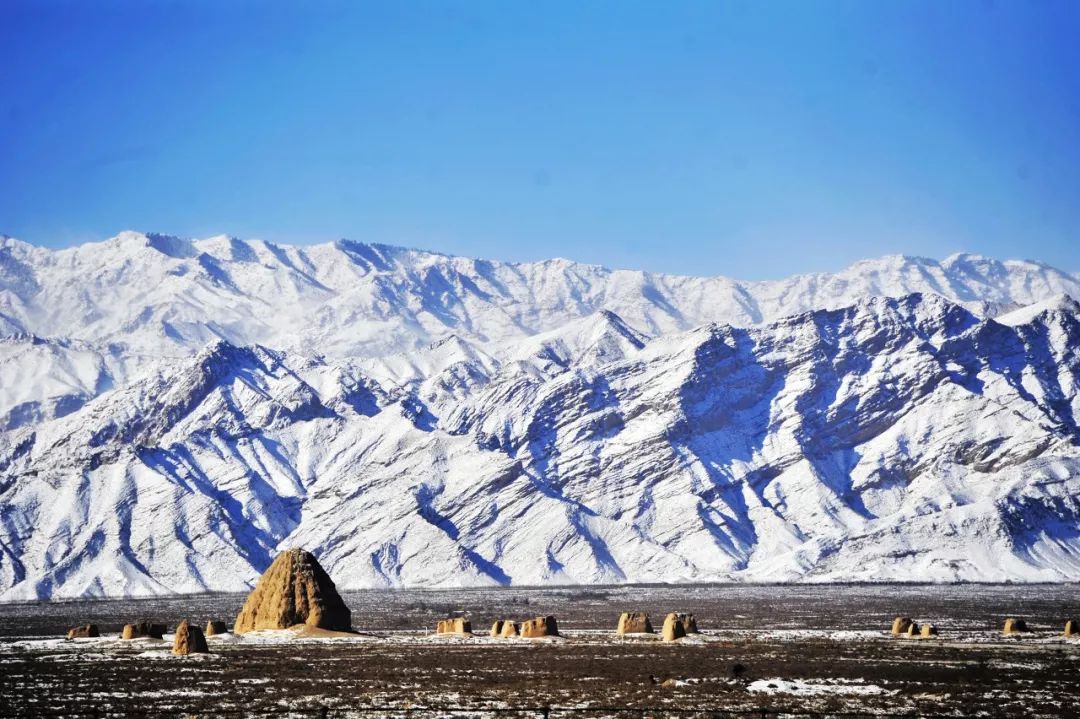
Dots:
{"x": 778, "y": 650}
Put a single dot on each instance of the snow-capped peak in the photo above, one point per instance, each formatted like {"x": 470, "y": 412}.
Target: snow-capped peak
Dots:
{"x": 1025, "y": 315}
{"x": 896, "y": 439}
{"x": 174, "y": 410}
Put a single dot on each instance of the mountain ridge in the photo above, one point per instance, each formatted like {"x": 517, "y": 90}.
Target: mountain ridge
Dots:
{"x": 152, "y": 295}
{"x": 158, "y": 240}
{"x": 174, "y": 411}
{"x": 894, "y": 438}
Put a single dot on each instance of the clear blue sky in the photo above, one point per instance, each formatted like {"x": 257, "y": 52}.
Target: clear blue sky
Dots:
{"x": 754, "y": 138}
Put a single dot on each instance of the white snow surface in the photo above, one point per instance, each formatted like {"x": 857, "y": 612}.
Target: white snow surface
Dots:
{"x": 140, "y": 295}
{"x": 174, "y": 412}
{"x": 810, "y": 687}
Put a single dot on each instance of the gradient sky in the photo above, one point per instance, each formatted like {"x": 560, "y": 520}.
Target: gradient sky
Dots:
{"x": 754, "y": 139}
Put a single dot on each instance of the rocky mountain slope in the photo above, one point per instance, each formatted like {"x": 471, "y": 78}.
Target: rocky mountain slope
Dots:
{"x": 889, "y": 439}
{"x": 107, "y": 309}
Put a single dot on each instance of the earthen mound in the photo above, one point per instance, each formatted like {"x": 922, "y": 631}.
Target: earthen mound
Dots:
{"x": 900, "y": 625}
{"x": 455, "y": 625}
{"x": 189, "y": 640}
{"x": 142, "y": 629}
{"x": 540, "y": 627}
{"x": 84, "y": 631}
{"x": 634, "y": 623}
{"x": 294, "y": 590}
{"x": 688, "y": 622}
{"x": 673, "y": 628}
{"x": 1014, "y": 626}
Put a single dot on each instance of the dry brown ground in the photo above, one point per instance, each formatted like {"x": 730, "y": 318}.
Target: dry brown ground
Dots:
{"x": 760, "y": 634}
{"x": 936, "y": 677}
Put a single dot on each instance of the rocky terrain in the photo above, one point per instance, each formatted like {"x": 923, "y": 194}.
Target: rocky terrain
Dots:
{"x": 595, "y": 430}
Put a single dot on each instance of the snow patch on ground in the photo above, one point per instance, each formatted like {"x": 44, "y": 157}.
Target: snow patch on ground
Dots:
{"x": 805, "y": 687}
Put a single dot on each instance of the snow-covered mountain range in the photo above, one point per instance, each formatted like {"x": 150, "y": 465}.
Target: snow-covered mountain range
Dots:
{"x": 172, "y": 412}
{"x": 79, "y": 321}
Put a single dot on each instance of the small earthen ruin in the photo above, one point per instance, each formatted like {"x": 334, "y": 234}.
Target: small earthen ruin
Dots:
{"x": 900, "y": 625}
{"x": 189, "y": 640}
{"x": 674, "y": 627}
{"x": 540, "y": 627}
{"x": 634, "y": 623}
{"x": 143, "y": 629}
{"x": 1014, "y": 626}
{"x": 455, "y": 625}
{"x": 83, "y": 632}
{"x": 215, "y": 627}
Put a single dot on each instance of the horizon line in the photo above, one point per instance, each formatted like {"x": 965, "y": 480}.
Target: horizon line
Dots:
{"x": 317, "y": 243}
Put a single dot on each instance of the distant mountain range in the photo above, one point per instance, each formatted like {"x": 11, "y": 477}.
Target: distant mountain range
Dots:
{"x": 172, "y": 412}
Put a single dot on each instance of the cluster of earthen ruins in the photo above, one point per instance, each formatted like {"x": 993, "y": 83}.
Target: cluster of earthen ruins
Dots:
{"x": 187, "y": 639}
{"x": 905, "y": 627}
{"x": 676, "y": 625}
{"x": 296, "y": 593}
{"x": 530, "y": 628}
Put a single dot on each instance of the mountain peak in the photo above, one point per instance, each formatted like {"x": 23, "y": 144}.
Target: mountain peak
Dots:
{"x": 958, "y": 258}
{"x": 1063, "y": 303}
{"x": 169, "y": 245}
{"x": 736, "y": 445}
{"x": 8, "y": 242}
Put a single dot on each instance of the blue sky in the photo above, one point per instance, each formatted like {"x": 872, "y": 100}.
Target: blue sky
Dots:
{"x": 752, "y": 139}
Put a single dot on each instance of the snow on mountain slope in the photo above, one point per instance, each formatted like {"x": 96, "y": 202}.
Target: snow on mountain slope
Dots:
{"x": 45, "y": 378}
{"x": 896, "y": 439}
{"x": 1025, "y": 315}
{"x": 137, "y": 298}
{"x": 349, "y": 299}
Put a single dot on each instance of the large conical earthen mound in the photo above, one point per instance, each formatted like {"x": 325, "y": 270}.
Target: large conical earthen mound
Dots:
{"x": 294, "y": 590}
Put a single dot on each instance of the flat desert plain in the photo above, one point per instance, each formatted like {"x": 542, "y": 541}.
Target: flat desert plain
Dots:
{"x": 763, "y": 650}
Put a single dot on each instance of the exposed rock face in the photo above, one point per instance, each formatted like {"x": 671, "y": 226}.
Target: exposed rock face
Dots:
{"x": 634, "y": 623}
{"x": 215, "y": 627}
{"x": 510, "y": 629}
{"x": 900, "y": 625}
{"x": 1071, "y": 628}
{"x": 456, "y": 625}
{"x": 86, "y": 630}
{"x": 901, "y": 402}
{"x": 540, "y": 627}
{"x": 1014, "y": 626}
{"x": 928, "y": 630}
{"x": 189, "y": 640}
{"x": 294, "y": 590}
{"x": 141, "y": 629}
{"x": 673, "y": 628}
